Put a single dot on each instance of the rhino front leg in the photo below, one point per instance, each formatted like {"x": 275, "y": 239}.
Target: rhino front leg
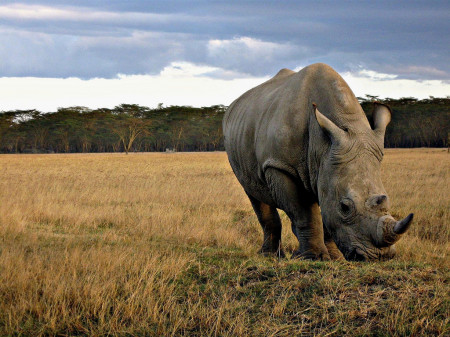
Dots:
{"x": 271, "y": 224}
{"x": 333, "y": 250}
{"x": 307, "y": 227}
{"x": 303, "y": 212}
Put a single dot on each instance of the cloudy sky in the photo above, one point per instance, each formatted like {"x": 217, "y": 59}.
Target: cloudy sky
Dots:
{"x": 102, "y": 53}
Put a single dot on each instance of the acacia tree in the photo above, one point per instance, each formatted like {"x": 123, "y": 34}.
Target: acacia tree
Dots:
{"x": 39, "y": 134}
{"x": 6, "y": 123}
{"x": 177, "y": 135}
{"x": 129, "y": 128}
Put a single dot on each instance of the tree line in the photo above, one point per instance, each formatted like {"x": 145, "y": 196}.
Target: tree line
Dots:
{"x": 131, "y": 127}
{"x": 125, "y": 128}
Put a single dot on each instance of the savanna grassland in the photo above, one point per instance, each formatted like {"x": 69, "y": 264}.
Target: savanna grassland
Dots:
{"x": 157, "y": 244}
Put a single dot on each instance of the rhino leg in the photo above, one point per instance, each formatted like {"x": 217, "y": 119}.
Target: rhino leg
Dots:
{"x": 333, "y": 250}
{"x": 303, "y": 212}
{"x": 271, "y": 224}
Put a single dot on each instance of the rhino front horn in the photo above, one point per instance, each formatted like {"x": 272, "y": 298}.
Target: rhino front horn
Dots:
{"x": 389, "y": 231}
{"x": 403, "y": 225}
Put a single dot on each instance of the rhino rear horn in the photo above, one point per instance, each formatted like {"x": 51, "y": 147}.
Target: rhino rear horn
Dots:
{"x": 381, "y": 117}
{"x": 336, "y": 133}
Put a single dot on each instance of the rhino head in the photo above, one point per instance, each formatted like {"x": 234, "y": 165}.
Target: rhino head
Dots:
{"x": 353, "y": 201}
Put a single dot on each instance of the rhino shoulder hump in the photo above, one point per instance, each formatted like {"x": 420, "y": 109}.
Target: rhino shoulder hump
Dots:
{"x": 284, "y": 72}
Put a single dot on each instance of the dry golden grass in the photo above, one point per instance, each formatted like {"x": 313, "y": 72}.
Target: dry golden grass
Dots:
{"x": 165, "y": 244}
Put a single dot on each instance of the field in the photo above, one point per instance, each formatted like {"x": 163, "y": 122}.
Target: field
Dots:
{"x": 162, "y": 244}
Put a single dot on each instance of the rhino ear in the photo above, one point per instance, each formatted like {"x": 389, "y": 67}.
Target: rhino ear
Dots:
{"x": 381, "y": 117}
{"x": 336, "y": 133}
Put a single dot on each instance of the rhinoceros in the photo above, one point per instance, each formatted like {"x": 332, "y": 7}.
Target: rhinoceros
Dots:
{"x": 300, "y": 142}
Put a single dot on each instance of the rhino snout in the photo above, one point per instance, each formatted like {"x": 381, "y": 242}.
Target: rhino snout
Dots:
{"x": 356, "y": 255}
{"x": 372, "y": 253}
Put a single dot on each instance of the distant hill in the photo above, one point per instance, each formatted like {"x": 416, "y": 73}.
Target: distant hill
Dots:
{"x": 131, "y": 127}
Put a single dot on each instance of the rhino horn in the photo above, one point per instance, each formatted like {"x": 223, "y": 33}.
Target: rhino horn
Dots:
{"x": 403, "y": 225}
{"x": 391, "y": 230}
{"x": 336, "y": 133}
{"x": 381, "y": 117}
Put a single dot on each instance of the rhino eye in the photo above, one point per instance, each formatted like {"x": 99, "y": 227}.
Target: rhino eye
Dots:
{"x": 347, "y": 207}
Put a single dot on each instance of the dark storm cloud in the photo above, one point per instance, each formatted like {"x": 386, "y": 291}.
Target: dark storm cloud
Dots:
{"x": 105, "y": 38}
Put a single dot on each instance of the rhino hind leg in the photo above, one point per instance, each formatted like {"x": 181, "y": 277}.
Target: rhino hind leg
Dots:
{"x": 271, "y": 224}
{"x": 303, "y": 212}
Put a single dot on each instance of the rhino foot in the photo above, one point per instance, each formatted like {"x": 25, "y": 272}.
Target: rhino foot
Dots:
{"x": 333, "y": 250}
{"x": 311, "y": 255}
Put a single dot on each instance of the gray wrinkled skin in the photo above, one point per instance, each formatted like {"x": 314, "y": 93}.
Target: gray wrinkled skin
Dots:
{"x": 301, "y": 140}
